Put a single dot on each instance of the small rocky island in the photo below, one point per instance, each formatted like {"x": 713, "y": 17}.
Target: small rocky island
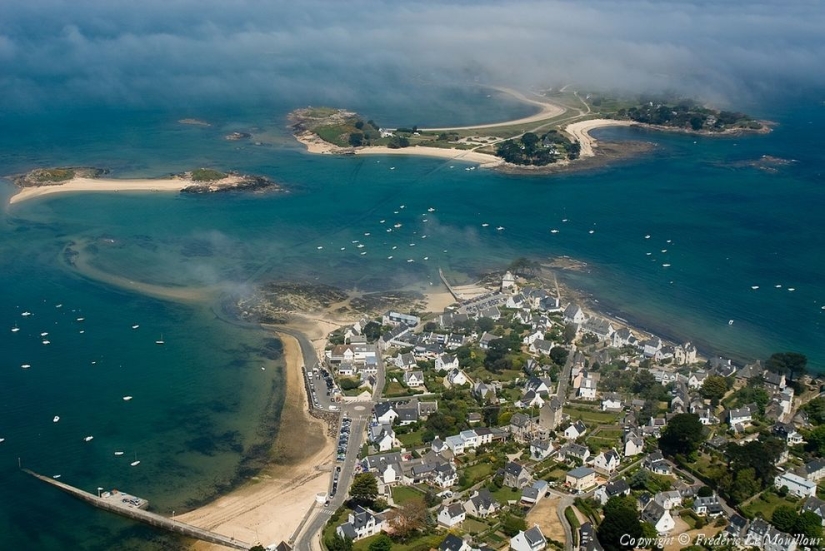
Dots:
{"x": 55, "y": 176}
{"x": 207, "y": 180}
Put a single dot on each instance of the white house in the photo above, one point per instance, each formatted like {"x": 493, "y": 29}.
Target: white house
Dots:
{"x": 659, "y": 517}
{"x": 532, "y": 337}
{"x": 414, "y": 379}
{"x": 708, "y": 506}
{"x": 456, "y": 377}
{"x": 587, "y": 390}
{"x": 612, "y": 489}
{"x": 669, "y": 499}
{"x": 446, "y": 362}
{"x": 634, "y": 444}
{"x": 451, "y": 515}
{"x": 456, "y": 444}
{"x": 607, "y": 462}
{"x": 580, "y": 478}
{"x": 575, "y": 430}
{"x": 385, "y": 414}
{"x": 739, "y": 416}
{"x": 540, "y": 449}
{"x": 796, "y": 485}
{"x": 611, "y": 402}
{"x": 529, "y": 540}
{"x": 481, "y": 504}
{"x": 360, "y": 524}
{"x": 696, "y": 380}
{"x": 574, "y": 314}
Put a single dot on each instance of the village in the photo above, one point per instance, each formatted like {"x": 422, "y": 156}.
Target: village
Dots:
{"x": 515, "y": 421}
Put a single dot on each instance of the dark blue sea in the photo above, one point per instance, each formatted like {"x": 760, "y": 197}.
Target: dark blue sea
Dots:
{"x": 201, "y": 402}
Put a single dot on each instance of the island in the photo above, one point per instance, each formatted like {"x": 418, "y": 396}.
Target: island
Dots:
{"x": 48, "y": 181}
{"x": 556, "y": 138}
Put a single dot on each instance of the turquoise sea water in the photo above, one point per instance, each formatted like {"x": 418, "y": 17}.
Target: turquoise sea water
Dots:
{"x": 202, "y": 401}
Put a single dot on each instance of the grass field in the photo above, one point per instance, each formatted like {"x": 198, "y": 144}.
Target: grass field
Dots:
{"x": 472, "y": 526}
{"x": 592, "y": 417}
{"x": 477, "y": 473}
{"x": 766, "y": 507}
{"x": 505, "y": 494}
{"x": 403, "y": 494}
{"x": 410, "y": 440}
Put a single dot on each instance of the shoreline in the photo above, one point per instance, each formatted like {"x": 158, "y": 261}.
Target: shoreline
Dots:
{"x": 270, "y": 506}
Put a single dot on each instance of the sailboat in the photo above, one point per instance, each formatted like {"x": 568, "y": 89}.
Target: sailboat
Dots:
{"x": 15, "y": 329}
{"x": 136, "y": 462}
{"x": 160, "y": 340}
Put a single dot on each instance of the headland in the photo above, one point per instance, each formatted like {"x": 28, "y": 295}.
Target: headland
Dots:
{"x": 556, "y": 138}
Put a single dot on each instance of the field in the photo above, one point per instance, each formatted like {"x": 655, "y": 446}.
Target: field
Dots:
{"x": 592, "y": 417}
{"x": 403, "y": 494}
{"x": 410, "y": 440}
{"x": 477, "y": 473}
{"x": 766, "y": 506}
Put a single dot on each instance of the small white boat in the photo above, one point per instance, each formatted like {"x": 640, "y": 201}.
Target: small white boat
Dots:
{"x": 88, "y": 438}
{"x": 15, "y": 329}
{"x": 25, "y": 366}
{"x": 26, "y": 314}
{"x": 394, "y": 247}
{"x": 392, "y": 168}
{"x": 669, "y": 241}
{"x": 136, "y": 462}
{"x": 343, "y": 248}
{"x": 319, "y": 247}
{"x": 56, "y": 476}
{"x": 730, "y": 322}
{"x": 500, "y": 228}
{"x": 791, "y": 289}
{"x": 410, "y": 260}
{"x": 647, "y": 237}
{"x": 397, "y": 226}
{"x": 402, "y": 206}
{"x": 127, "y": 398}
{"x": 56, "y": 419}
{"x": 754, "y": 287}
{"x": 381, "y": 221}
{"x": 47, "y": 342}
{"x": 81, "y": 319}
{"x": 564, "y": 219}
{"x": 778, "y": 286}
{"x": 412, "y": 244}
{"x": 389, "y": 230}
{"x": 426, "y": 258}
{"x": 58, "y": 306}
{"x": 554, "y": 231}
{"x": 118, "y": 453}
{"x": 430, "y": 209}
{"x": 135, "y": 326}
{"x": 43, "y": 334}
{"x": 664, "y": 250}
{"x": 82, "y": 331}
{"x": 665, "y": 265}
{"x": 484, "y": 225}
{"x": 354, "y": 241}
{"x": 648, "y": 254}
{"x": 367, "y": 234}
{"x": 360, "y": 245}
{"x": 2, "y": 440}
{"x": 363, "y": 253}
{"x": 592, "y": 231}
{"x": 389, "y": 257}
{"x": 160, "y": 340}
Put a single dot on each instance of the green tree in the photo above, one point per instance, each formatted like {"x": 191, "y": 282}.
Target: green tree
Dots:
{"x": 714, "y": 388}
{"x": 364, "y": 488}
{"x": 512, "y": 525}
{"x": 815, "y": 440}
{"x": 559, "y": 355}
{"x": 356, "y": 139}
{"x": 705, "y": 491}
{"x": 784, "y": 518}
{"x": 485, "y": 324}
{"x": 408, "y": 519}
{"x": 257, "y": 548}
{"x": 337, "y": 543}
{"x": 381, "y": 543}
{"x": 815, "y": 410}
{"x": 744, "y": 485}
{"x": 682, "y": 435}
{"x": 643, "y": 381}
{"x": 791, "y": 364}
{"x": 569, "y": 334}
{"x": 620, "y": 525}
{"x": 808, "y": 524}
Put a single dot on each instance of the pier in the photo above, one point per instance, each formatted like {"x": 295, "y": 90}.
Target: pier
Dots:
{"x": 133, "y": 507}
{"x": 453, "y": 292}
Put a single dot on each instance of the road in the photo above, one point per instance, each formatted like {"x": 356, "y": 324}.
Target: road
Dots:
{"x": 360, "y": 414}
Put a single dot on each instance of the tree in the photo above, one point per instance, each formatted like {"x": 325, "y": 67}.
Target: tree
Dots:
{"x": 408, "y": 518}
{"x": 364, "y": 488}
{"x": 791, "y": 364}
{"x": 705, "y": 491}
{"x": 257, "y": 548}
{"x": 714, "y": 388}
{"x": 784, "y": 518}
{"x": 485, "y": 324}
{"x": 381, "y": 543}
{"x": 356, "y": 139}
{"x": 759, "y": 455}
{"x": 682, "y": 435}
{"x": 512, "y": 525}
{"x": 570, "y": 331}
{"x": 372, "y": 331}
{"x": 337, "y": 543}
{"x": 816, "y": 410}
{"x": 559, "y": 355}
{"x": 808, "y": 524}
{"x": 620, "y": 525}
{"x": 743, "y": 485}
{"x": 643, "y": 381}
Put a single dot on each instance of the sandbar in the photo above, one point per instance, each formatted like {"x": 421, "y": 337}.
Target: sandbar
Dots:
{"x": 101, "y": 184}
{"x": 580, "y": 131}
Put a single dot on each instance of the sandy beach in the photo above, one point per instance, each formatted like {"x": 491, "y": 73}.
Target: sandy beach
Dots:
{"x": 581, "y": 132}
{"x": 270, "y": 507}
{"x": 547, "y": 111}
{"x": 101, "y": 184}
{"x": 463, "y": 155}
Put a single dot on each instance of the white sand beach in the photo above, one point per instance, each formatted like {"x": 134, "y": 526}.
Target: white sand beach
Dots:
{"x": 270, "y": 507}
{"x": 463, "y": 155}
{"x": 580, "y": 131}
{"x": 101, "y": 184}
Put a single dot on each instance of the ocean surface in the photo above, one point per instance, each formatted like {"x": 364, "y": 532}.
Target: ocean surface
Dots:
{"x": 205, "y": 402}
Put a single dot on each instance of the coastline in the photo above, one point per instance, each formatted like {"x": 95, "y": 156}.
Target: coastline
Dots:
{"x": 270, "y": 506}
{"x": 581, "y": 132}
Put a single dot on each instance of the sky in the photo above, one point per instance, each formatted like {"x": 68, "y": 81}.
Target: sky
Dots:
{"x": 166, "y": 52}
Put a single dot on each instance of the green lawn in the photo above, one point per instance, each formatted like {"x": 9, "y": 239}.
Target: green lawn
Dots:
{"x": 505, "y": 494}
{"x": 411, "y": 440}
{"x": 403, "y": 494}
{"x": 477, "y": 473}
{"x": 766, "y": 507}
{"x": 592, "y": 417}
{"x": 423, "y": 543}
{"x": 472, "y": 526}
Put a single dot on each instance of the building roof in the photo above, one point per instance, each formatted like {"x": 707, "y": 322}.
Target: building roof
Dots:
{"x": 581, "y": 472}
{"x": 534, "y": 536}
{"x": 451, "y": 543}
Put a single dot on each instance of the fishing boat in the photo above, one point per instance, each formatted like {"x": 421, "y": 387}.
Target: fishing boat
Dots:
{"x": 25, "y": 366}
{"x": 26, "y": 314}
{"x": 56, "y": 419}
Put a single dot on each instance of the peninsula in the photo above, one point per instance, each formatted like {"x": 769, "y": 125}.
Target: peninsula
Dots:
{"x": 557, "y": 137}
{"x": 48, "y": 181}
